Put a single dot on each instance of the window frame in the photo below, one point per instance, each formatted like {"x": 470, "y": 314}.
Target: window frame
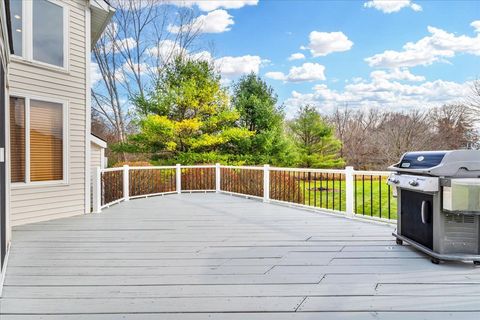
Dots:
{"x": 65, "y": 137}
{"x": 27, "y": 37}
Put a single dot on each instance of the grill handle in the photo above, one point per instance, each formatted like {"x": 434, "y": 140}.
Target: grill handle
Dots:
{"x": 424, "y": 212}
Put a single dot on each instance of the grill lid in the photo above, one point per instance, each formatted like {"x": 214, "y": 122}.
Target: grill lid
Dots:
{"x": 451, "y": 163}
{"x": 421, "y": 160}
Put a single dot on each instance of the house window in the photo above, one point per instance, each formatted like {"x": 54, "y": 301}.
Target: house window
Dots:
{"x": 17, "y": 139}
{"x": 47, "y": 32}
{"x": 17, "y": 26}
{"x": 37, "y": 140}
{"x": 40, "y": 36}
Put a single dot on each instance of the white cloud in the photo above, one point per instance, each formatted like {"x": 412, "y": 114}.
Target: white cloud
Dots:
{"x": 124, "y": 44}
{"x": 95, "y": 74}
{"x": 436, "y": 47}
{"x": 276, "y": 75}
{"x": 382, "y": 93}
{"x": 235, "y": 66}
{"x": 120, "y": 45}
{"x": 306, "y": 72}
{"x": 390, "y": 6}
{"x": 396, "y": 74}
{"x": 296, "y": 56}
{"x": 476, "y": 25}
{"x": 141, "y": 67}
{"x": 217, "y": 21}
{"x": 210, "y": 5}
{"x": 323, "y": 43}
{"x": 202, "y": 55}
{"x": 166, "y": 50}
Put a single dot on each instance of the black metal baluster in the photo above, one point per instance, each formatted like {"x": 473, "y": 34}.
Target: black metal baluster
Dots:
{"x": 355, "y": 198}
{"x": 363, "y": 194}
{"x": 302, "y": 183}
{"x": 389, "y": 197}
{"x": 309, "y": 188}
{"x": 340, "y": 183}
{"x": 326, "y": 196}
{"x": 333, "y": 192}
{"x": 321, "y": 190}
{"x": 380, "y": 195}
{"x": 371, "y": 196}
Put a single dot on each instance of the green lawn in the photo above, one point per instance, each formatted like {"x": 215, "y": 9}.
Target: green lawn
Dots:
{"x": 371, "y": 197}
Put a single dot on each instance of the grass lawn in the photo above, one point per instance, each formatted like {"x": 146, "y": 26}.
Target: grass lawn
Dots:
{"x": 371, "y": 196}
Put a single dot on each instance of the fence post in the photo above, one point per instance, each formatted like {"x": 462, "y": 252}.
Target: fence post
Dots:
{"x": 97, "y": 191}
{"x": 349, "y": 191}
{"x": 266, "y": 183}
{"x": 217, "y": 178}
{"x": 178, "y": 176}
{"x": 126, "y": 182}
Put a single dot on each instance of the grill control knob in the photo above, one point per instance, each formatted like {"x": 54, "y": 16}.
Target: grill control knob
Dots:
{"x": 393, "y": 180}
{"x": 413, "y": 183}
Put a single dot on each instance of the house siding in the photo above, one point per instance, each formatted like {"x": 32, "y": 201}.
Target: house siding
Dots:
{"x": 38, "y": 203}
{"x": 95, "y": 161}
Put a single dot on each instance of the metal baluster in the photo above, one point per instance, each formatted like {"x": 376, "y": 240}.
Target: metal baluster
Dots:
{"x": 340, "y": 183}
{"x": 326, "y": 196}
{"x": 333, "y": 192}
{"x": 380, "y": 196}
{"x": 315, "y": 189}
{"x": 389, "y": 197}
{"x": 355, "y": 198}
{"x": 309, "y": 188}
{"x": 363, "y": 194}
{"x": 321, "y": 190}
{"x": 371, "y": 196}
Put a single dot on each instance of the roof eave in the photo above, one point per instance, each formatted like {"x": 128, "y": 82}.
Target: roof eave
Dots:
{"x": 99, "y": 142}
{"x": 100, "y": 11}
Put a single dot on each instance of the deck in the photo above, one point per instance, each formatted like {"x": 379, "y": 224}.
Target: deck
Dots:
{"x": 211, "y": 256}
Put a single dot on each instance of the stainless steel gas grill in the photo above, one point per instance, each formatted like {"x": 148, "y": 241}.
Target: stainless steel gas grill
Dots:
{"x": 438, "y": 203}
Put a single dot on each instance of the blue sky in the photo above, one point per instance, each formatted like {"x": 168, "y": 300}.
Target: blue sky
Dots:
{"x": 343, "y": 43}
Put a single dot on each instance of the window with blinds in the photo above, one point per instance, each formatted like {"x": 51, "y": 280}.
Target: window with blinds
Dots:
{"x": 17, "y": 139}
{"x": 44, "y": 141}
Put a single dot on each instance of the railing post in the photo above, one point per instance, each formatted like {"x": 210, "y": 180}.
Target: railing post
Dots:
{"x": 97, "y": 191}
{"x": 126, "y": 182}
{"x": 178, "y": 176}
{"x": 266, "y": 183}
{"x": 217, "y": 178}
{"x": 349, "y": 191}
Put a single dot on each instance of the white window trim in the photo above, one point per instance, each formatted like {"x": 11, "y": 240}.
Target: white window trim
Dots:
{"x": 27, "y": 37}
{"x": 65, "y": 137}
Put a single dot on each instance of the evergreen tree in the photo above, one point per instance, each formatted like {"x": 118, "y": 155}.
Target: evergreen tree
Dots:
{"x": 315, "y": 140}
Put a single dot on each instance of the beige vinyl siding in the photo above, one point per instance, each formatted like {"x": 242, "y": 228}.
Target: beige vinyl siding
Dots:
{"x": 39, "y": 203}
{"x": 95, "y": 156}
{"x": 95, "y": 161}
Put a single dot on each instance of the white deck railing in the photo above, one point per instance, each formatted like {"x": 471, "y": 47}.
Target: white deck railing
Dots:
{"x": 340, "y": 190}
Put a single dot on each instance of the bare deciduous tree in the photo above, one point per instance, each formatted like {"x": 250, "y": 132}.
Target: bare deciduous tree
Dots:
{"x": 132, "y": 53}
{"x": 375, "y": 139}
{"x": 473, "y": 101}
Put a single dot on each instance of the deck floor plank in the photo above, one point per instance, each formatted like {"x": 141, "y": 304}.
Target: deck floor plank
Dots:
{"x": 210, "y": 256}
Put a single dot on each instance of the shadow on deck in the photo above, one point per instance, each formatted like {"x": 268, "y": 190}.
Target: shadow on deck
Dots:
{"x": 210, "y": 256}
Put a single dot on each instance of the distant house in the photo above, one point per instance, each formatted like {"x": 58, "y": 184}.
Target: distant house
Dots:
{"x": 45, "y": 53}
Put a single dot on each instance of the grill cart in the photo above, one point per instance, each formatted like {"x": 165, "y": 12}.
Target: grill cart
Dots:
{"x": 438, "y": 196}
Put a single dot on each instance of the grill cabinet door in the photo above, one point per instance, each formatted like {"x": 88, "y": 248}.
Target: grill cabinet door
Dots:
{"x": 413, "y": 225}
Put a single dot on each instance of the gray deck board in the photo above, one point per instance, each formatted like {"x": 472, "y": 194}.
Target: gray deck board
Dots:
{"x": 209, "y": 256}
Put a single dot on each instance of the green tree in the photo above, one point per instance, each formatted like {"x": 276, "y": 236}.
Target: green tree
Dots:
{"x": 188, "y": 111}
{"x": 315, "y": 140}
{"x": 256, "y": 103}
